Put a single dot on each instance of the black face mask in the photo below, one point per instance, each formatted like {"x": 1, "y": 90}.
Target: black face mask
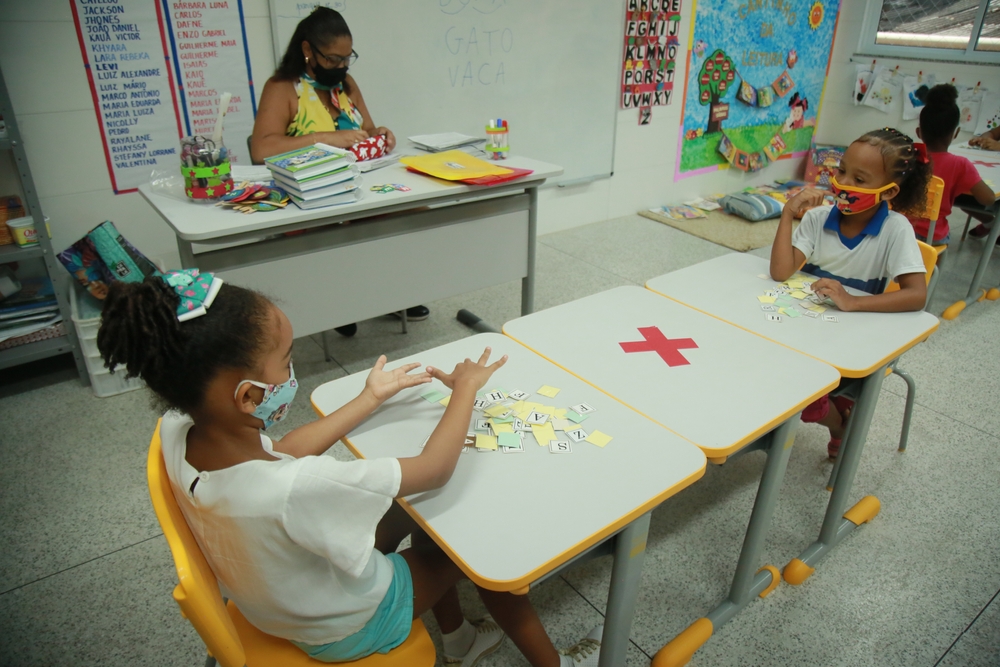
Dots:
{"x": 329, "y": 76}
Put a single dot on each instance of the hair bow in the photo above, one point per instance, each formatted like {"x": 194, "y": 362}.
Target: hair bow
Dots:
{"x": 197, "y": 291}
{"x": 920, "y": 150}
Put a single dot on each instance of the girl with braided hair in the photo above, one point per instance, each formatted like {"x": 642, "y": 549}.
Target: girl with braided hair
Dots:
{"x": 303, "y": 544}
{"x": 859, "y": 242}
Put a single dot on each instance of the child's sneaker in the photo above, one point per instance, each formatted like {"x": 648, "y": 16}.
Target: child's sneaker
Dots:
{"x": 833, "y": 448}
{"x": 587, "y": 651}
{"x": 489, "y": 636}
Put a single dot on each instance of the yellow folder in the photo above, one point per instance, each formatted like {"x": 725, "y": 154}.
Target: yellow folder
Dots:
{"x": 452, "y": 165}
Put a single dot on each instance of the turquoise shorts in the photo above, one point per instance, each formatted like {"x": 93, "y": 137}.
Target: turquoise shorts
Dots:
{"x": 387, "y": 629}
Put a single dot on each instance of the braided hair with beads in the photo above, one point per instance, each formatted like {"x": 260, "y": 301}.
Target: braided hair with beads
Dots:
{"x": 906, "y": 164}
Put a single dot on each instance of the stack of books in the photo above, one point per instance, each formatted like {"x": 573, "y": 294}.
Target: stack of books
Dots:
{"x": 317, "y": 176}
{"x": 31, "y": 309}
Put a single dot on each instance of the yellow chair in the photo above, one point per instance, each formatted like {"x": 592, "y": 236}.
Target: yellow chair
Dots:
{"x": 229, "y": 637}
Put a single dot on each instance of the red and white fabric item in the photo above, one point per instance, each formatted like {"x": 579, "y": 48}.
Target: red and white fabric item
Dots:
{"x": 370, "y": 149}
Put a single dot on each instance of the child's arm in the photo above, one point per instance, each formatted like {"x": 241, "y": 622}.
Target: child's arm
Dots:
{"x": 983, "y": 194}
{"x": 432, "y": 468}
{"x": 911, "y": 295}
{"x": 318, "y": 436}
{"x": 786, "y": 259}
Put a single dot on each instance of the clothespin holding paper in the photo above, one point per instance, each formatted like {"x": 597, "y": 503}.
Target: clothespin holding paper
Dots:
{"x": 920, "y": 77}
{"x": 976, "y": 90}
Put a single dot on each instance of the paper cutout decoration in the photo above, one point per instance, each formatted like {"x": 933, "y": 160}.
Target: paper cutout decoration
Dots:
{"x": 667, "y": 349}
{"x": 884, "y": 90}
{"x": 989, "y": 113}
{"x": 862, "y": 81}
{"x": 915, "y": 89}
{"x": 969, "y": 103}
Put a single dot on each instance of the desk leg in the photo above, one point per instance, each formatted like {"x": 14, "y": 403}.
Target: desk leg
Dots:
{"x": 626, "y": 573}
{"x": 748, "y": 581}
{"x": 528, "y": 282}
{"x": 186, "y": 253}
{"x": 838, "y": 524}
{"x": 976, "y": 293}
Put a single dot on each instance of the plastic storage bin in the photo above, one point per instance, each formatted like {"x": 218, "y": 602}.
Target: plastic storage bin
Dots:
{"x": 86, "y": 314}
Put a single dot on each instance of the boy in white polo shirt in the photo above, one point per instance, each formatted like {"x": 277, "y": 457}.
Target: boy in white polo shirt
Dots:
{"x": 859, "y": 243}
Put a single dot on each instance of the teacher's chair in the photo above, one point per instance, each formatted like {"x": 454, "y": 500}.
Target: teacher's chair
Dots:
{"x": 228, "y": 636}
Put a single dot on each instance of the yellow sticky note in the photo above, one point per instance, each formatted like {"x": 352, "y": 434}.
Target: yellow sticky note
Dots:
{"x": 559, "y": 413}
{"x": 501, "y": 428}
{"x": 598, "y": 438}
{"x": 445, "y": 401}
{"x": 766, "y": 299}
{"x": 551, "y": 392}
{"x": 782, "y": 311}
{"x": 544, "y": 433}
{"x": 795, "y": 284}
{"x": 799, "y": 294}
{"x": 496, "y": 410}
{"x": 816, "y": 308}
{"x": 531, "y": 405}
{"x": 545, "y": 409}
{"x": 518, "y": 407}
{"x": 486, "y": 442}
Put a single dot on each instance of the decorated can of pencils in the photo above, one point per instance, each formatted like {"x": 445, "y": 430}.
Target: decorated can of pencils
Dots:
{"x": 497, "y": 144}
{"x": 206, "y": 168}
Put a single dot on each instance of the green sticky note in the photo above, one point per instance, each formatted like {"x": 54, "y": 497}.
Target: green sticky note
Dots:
{"x": 791, "y": 312}
{"x": 783, "y": 301}
{"x": 509, "y": 440}
{"x": 503, "y": 420}
{"x": 575, "y": 417}
{"x": 432, "y": 396}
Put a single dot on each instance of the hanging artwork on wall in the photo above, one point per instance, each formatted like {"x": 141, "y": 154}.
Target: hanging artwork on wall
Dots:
{"x": 753, "y": 83}
{"x": 649, "y": 59}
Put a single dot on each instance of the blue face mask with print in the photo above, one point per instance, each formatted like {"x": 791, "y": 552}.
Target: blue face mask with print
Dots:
{"x": 277, "y": 398}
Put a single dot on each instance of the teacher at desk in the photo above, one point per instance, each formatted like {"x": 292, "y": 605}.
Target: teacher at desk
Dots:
{"x": 312, "y": 99}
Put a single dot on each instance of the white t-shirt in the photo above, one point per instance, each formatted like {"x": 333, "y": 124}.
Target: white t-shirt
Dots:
{"x": 292, "y": 541}
{"x": 885, "y": 249}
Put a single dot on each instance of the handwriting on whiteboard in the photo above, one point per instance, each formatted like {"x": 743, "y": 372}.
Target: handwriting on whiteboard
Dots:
{"x": 480, "y": 6}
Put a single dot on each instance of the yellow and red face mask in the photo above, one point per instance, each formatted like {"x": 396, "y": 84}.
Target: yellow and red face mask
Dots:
{"x": 856, "y": 200}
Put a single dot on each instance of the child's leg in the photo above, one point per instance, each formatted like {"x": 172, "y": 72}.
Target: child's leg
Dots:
{"x": 434, "y": 577}
{"x": 833, "y": 421}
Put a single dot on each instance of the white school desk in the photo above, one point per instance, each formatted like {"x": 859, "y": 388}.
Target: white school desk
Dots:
{"x": 860, "y": 345}
{"x": 987, "y": 163}
{"x": 737, "y": 393}
{"x": 401, "y": 248}
{"x": 511, "y": 520}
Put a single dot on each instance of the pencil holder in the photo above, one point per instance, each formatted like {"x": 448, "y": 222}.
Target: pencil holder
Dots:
{"x": 206, "y": 168}
{"x": 497, "y": 140}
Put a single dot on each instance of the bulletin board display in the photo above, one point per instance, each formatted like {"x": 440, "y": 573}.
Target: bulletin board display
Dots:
{"x": 754, "y": 82}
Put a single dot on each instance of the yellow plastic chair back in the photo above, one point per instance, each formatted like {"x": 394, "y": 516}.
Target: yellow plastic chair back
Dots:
{"x": 229, "y": 637}
{"x": 929, "y": 255}
{"x": 935, "y": 193}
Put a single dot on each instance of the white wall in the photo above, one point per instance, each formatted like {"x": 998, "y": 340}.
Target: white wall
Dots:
{"x": 41, "y": 60}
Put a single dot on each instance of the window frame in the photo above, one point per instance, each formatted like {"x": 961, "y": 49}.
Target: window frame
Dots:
{"x": 867, "y": 45}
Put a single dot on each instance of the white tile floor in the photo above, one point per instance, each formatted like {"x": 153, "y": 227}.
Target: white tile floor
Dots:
{"x": 85, "y": 575}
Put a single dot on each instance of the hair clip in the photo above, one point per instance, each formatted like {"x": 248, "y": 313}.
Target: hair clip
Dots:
{"x": 921, "y": 153}
{"x": 196, "y": 290}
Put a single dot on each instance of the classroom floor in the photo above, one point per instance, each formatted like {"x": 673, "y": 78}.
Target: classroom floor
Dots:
{"x": 86, "y": 576}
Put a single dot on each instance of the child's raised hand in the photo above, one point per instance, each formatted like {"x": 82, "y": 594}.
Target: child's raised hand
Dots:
{"x": 383, "y": 385}
{"x": 806, "y": 198}
{"x": 475, "y": 373}
{"x": 832, "y": 289}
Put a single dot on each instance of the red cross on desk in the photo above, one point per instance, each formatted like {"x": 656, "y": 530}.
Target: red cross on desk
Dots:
{"x": 667, "y": 348}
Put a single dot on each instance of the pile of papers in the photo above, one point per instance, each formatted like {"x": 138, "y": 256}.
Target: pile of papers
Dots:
{"x": 435, "y": 143}
{"x": 31, "y": 309}
{"x": 502, "y": 421}
{"x": 794, "y": 298}
{"x": 317, "y": 176}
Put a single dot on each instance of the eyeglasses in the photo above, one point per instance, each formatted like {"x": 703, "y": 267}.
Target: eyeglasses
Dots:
{"x": 336, "y": 61}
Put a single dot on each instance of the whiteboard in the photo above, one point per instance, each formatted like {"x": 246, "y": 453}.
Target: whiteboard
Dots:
{"x": 550, "y": 68}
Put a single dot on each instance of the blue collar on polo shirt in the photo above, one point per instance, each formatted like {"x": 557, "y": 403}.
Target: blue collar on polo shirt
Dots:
{"x": 873, "y": 227}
